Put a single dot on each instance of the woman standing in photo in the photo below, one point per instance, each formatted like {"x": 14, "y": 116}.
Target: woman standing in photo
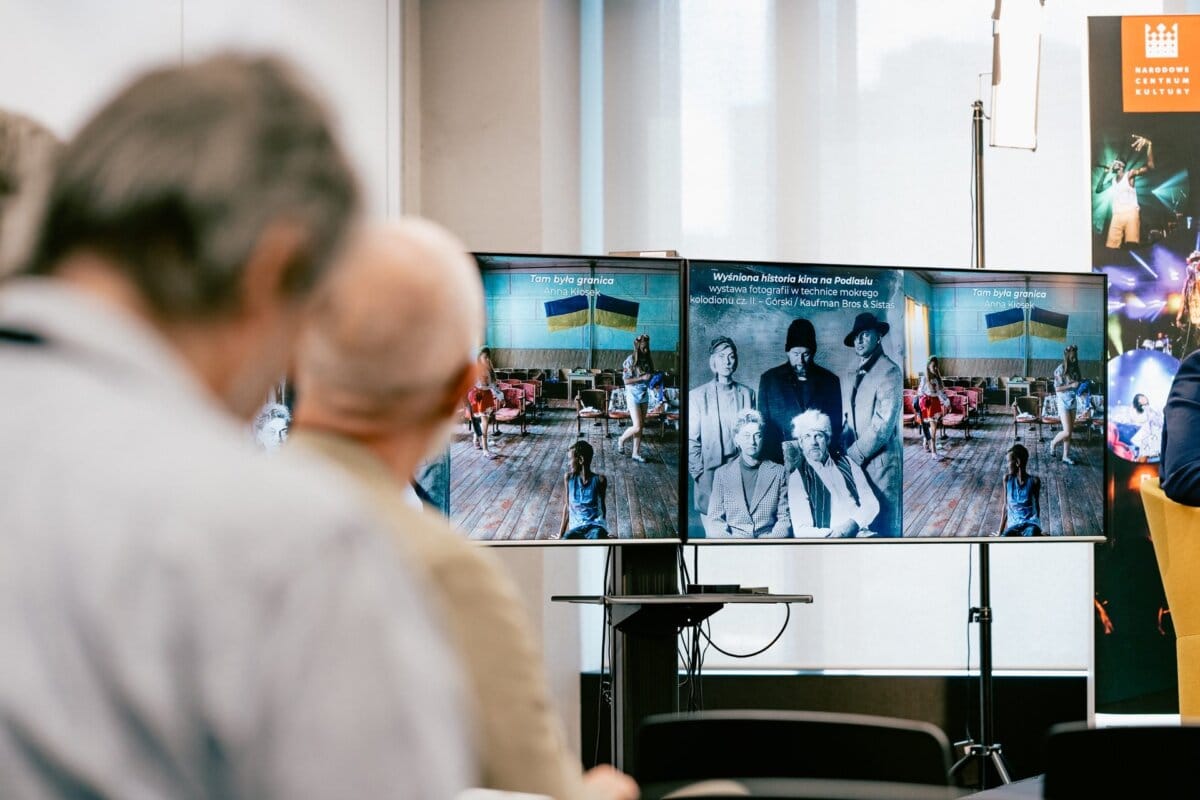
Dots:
{"x": 636, "y": 372}
{"x": 714, "y": 406}
{"x": 932, "y": 402}
{"x": 482, "y": 402}
{"x": 1066, "y": 383}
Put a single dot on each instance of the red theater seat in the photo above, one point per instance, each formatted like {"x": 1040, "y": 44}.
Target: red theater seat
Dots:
{"x": 958, "y": 416}
{"x": 513, "y": 409}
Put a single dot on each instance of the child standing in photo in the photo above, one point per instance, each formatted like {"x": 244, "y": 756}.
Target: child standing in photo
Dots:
{"x": 584, "y": 510}
{"x": 1022, "y": 497}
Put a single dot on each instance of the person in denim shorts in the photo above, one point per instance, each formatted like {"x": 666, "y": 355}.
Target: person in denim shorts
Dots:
{"x": 637, "y": 371}
{"x": 1066, "y": 384}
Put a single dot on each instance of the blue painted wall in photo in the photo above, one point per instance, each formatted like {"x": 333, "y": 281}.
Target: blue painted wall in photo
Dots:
{"x": 958, "y": 327}
{"x": 517, "y": 312}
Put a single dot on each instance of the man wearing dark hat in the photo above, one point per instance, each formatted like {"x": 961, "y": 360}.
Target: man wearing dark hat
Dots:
{"x": 874, "y": 403}
{"x": 795, "y": 386}
{"x": 712, "y": 408}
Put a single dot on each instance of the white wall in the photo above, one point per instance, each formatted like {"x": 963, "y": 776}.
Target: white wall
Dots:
{"x": 59, "y": 59}
{"x": 344, "y": 48}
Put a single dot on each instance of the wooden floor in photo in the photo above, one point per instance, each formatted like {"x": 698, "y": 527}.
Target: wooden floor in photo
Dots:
{"x": 519, "y": 494}
{"x": 963, "y": 495}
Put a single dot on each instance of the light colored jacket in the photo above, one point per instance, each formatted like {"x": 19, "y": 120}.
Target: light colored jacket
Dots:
{"x": 767, "y": 514}
{"x": 704, "y": 424}
{"x": 872, "y": 432}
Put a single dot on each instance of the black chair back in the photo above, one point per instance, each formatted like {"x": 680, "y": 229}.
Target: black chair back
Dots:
{"x": 1124, "y": 762}
{"x": 790, "y": 744}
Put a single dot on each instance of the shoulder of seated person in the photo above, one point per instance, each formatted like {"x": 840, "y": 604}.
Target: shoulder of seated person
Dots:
{"x": 1191, "y": 362}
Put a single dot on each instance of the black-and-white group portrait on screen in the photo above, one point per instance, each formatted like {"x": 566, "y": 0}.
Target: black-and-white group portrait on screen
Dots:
{"x": 815, "y": 449}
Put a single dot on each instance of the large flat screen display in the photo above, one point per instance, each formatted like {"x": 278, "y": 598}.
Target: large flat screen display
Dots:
{"x": 846, "y": 403}
{"x": 573, "y": 432}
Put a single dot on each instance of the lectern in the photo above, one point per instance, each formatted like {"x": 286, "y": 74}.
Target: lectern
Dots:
{"x": 647, "y": 613}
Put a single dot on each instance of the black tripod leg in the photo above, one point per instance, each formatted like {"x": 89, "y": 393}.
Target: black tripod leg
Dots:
{"x": 962, "y": 762}
{"x": 998, "y": 762}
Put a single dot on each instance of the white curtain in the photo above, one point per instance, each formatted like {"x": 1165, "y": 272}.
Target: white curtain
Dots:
{"x": 916, "y": 316}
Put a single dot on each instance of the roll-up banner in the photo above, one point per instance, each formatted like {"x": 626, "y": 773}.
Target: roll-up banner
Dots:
{"x": 1144, "y": 153}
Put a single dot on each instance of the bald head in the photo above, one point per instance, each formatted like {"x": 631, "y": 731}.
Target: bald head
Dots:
{"x": 393, "y": 330}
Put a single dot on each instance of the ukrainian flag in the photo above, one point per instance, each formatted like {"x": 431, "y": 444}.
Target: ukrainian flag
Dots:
{"x": 569, "y": 312}
{"x": 1048, "y": 324}
{"x": 614, "y": 312}
{"x": 1007, "y": 324}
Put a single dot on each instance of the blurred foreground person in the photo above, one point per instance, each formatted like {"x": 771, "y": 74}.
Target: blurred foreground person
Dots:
{"x": 180, "y": 617}
{"x": 27, "y": 154}
{"x": 389, "y": 351}
{"x": 1179, "y": 467}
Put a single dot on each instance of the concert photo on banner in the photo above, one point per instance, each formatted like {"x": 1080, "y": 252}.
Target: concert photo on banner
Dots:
{"x": 794, "y": 401}
{"x": 1144, "y": 142}
{"x": 571, "y": 432}
{"x": 1003, "y": 404}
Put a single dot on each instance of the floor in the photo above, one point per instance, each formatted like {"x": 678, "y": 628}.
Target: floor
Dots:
{"x": 963, "y": 495}
{"x": 519, "y": 494}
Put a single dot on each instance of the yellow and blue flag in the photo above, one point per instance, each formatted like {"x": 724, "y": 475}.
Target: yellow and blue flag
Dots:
{"x": 1048, "y": 324}
{"x": 569, "y": 312}
{"x": 613, "y": 312}
{"x": 1007, "y": 324}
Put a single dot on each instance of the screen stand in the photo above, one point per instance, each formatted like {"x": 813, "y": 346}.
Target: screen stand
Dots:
{"x": 987, "y": 749}
{"x": 645, "y": 656}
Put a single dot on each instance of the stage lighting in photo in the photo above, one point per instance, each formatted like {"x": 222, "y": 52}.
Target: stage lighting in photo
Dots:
{"x": 1114, "y": 332}
{"x": 1145, "y": 266}
{"x": 1016, "y": 65}
{"x": 1173, "y": 192}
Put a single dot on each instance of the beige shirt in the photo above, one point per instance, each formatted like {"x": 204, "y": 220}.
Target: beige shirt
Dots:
{"x": 521, "y": 741}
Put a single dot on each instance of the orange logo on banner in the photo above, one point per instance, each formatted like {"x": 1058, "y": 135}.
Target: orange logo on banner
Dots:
{"x": 1160, "y": 56}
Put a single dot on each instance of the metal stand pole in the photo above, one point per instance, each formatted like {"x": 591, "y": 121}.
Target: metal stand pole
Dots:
{"x": 977, "y": 132}
{"x": 987, "y": 749}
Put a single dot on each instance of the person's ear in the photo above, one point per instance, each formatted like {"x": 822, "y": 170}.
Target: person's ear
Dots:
{"x": 281, "y": 250}
{"x": 457, "y": 389}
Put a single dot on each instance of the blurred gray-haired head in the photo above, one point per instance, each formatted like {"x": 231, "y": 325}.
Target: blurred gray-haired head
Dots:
{"x": 27, "y": 154}
{"x": 177, "y": 177}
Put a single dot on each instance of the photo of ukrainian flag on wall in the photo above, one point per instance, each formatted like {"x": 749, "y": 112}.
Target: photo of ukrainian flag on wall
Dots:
{"x": 570, "y": 312}
{"x": 1010, "y": 323}
{"x": 1007, "y": 324}
{"x": 613, "y": 312}
{"x": 1048, "y": 324}
{"x": 573, "y": 312}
